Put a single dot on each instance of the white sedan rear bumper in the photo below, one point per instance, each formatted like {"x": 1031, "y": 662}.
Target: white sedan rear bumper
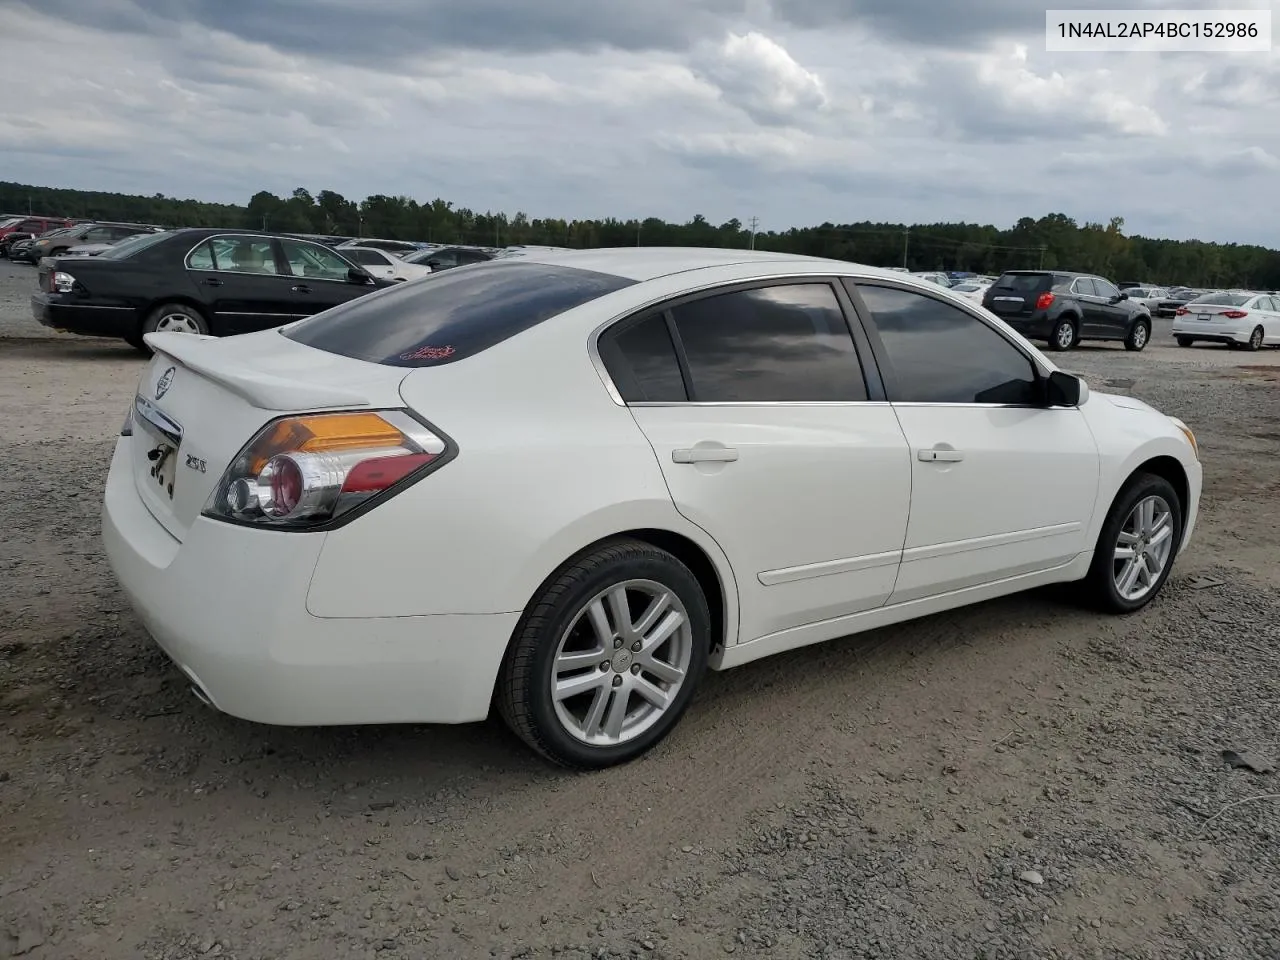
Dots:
{"x": 1221, "y": 331}
{"x": 228, "y": 605}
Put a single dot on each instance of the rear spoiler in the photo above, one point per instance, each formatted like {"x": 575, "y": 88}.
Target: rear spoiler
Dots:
{"x": 200, "y": 354}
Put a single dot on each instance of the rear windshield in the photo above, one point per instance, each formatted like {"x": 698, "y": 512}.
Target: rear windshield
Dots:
{"x": 452, "y": 314}
{"x": 1023, "y": 282}
{"x": 1225, "y": 299}
{"x": 135, "y": 244}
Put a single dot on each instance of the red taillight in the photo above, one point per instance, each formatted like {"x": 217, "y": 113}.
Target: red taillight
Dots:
{"x": 284, "y": 481}
{"x": 302, "y": 471}
{"x": 1044, "y": 301}
{"x": 1235, "y": 314}
{"x": 375, "y": 475}
{"x": 1181, "y": 312}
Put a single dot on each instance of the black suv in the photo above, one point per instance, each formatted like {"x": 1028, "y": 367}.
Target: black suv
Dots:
{"x": 1064, "y": 308}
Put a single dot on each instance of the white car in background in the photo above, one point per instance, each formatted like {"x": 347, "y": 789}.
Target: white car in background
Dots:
{"x": 1149, "y": 296}
{"x": 569, "y": 483}
{"x": 398, "y": 247}
{"x": 1236, "y": 318}
{"x": 384, "y": 265}
{"x": 941, "y": 279}
{"x": 970, "y": 289}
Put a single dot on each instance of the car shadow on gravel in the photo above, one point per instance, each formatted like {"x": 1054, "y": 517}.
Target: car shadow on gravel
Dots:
{"x": 156, "y": 708}
{"x": 87, "y": 349}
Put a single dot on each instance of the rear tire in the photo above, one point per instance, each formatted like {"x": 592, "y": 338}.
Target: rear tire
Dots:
{"x": 1139, "y": 336}
{"x": 572, "y": 635}
{"x": 1064, "y": 335}
{"x": 1185, "y": 341}
{"x": 1255, "y": 339}
{"x": 174, "y": 318}
{"x": 1151, "y": 541}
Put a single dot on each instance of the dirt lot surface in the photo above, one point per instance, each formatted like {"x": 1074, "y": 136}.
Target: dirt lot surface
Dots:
{"x": 1021, "y": 779}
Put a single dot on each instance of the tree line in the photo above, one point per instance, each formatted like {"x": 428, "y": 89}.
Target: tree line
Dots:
{"x": 1052, "y": 241}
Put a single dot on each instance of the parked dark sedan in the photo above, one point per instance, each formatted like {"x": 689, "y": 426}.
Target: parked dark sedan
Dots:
{"x": 201, "y": 280}
{"x": 9, "y": 239}
{"x": 20, "y": 250}
{"x": 1064, "y": 308}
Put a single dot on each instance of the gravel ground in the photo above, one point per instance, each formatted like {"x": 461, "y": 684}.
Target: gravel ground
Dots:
{"x": 1020, "y": 779}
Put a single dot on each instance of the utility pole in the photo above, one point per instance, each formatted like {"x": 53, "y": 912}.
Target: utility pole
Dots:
{"x": 906, "y": 238}
{"x": 1041, "y": 267}
{"x": 755, "y": 222}
{"x": 638, "y": 226}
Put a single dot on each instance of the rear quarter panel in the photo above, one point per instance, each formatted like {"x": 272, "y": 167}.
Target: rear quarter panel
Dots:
{"x": 547, "y": 465}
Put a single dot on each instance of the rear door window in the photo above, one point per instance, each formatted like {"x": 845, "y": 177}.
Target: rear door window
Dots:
{"x": 1084, "y": 287}
{"x": 779, "y": 343}
{"x": 453, "y": 314}
{"x": 241, "y": 255}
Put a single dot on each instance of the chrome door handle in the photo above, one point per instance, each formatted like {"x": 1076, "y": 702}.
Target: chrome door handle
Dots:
{"x": 939, "y": 455}
{"x": 705, "y": 455}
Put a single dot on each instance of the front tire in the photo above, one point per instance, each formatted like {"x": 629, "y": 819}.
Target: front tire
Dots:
{"x": 1063, "y": 336}
{"x": 606, "y": 657}
{"x": 1137, "y": 547}
{"x": 1139, "y": 336}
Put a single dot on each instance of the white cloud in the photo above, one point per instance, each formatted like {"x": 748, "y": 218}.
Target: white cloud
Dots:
{"x": 798, "y": 111}
{"x": 758, "y": 75}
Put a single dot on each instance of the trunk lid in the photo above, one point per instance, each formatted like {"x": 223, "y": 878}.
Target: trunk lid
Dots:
{"x": 1214, "y": 312}
{"x": 201, "y": 399}
{"x": 1015, "y": 294}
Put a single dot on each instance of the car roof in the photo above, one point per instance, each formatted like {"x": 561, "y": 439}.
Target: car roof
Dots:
{"x": 650, "y": 263}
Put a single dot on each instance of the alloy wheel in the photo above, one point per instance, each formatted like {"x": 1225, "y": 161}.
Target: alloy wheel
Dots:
{"x": 1066, "y": 336}
{"x": 1140, "y": 336}
{"x": 176, "y": 323}
{"x": 621, "y": 663}
{"x": 1143, "y": 548}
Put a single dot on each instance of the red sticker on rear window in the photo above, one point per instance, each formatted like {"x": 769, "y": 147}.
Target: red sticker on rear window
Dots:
{"x": 428, "y": 353}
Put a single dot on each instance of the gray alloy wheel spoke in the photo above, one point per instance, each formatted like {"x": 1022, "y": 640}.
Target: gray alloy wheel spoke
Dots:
{"x": 176, "y": 323}
{"x": 1143, "y": 548}
{"x": 621, "y": 663}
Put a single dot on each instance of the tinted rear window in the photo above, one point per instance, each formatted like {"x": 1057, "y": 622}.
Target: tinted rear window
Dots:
{"x": 1225, "y": 299}
{"x": 1024, "y": 282}
{"x": 452, "y": 314}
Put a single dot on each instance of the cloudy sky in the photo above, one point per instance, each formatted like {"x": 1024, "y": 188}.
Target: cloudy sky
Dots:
{"x": 794, "y": 111}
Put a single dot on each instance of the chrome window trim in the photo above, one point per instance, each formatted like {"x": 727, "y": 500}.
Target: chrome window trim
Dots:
{"x": 593, "y": 339}
{"x": 760, "y": 403}
{"x": 186, "y": 261}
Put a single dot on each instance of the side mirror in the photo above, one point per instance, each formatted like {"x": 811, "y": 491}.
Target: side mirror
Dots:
{"x": 359, "y": 275}
{"x": 1065, "y": 390}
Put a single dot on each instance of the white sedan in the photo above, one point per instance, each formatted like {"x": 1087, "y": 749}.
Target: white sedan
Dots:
{"x": 384, "y": 265}
{"x": 569, "y": 483}
{"x": 1238, "y": 319}
{"x": 971, "y": 290}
